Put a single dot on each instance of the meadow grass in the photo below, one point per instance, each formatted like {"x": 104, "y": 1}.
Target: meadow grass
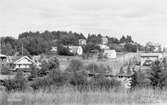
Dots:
{"x": 67, "y": 96}
{"x": 121, "y": 61}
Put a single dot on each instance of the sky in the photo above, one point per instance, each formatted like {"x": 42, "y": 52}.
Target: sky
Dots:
{"x": 144, "y": 20}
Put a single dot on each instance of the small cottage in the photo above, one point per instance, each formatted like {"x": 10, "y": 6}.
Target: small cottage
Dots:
{"x": 82, "y": 42}
{"x": 23, "y": 63}
{"x": 104, "y": 40}
{"x": 110, "y": 53}
{"x": 148, "y": 58}
{"x": 54, "y": 49}
{"x": 104, "y": 47}
{"x": 76, "y": 50}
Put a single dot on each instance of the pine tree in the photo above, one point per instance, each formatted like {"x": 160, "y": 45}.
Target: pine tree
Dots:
{"x": 129, "y": 72}
{"x": 134, "y": 81}
{"x": 121, "y": 71}
{"x": 158, "y": 75}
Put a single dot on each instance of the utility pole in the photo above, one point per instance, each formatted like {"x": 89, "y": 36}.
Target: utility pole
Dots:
{"x": 0, "y": 53}
{"x": 93, "y": 68}
{"x": 22, "y": 49}
{"x": 0, "y": 46}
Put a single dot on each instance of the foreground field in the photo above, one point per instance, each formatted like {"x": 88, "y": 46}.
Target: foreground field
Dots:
{"x": 71, "y": 97}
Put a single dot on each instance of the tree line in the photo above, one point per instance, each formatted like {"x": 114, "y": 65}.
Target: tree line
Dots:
{"x": 34, "y": 43}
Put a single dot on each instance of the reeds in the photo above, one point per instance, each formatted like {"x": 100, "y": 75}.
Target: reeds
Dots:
{"x": 68, "y": 96}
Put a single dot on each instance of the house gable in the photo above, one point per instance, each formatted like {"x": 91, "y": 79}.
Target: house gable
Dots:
{"x": 24, "y": 60}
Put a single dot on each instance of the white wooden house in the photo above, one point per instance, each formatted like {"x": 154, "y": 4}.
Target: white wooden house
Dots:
{"x": 23, "y": 63}
{"x": 76, "y": 50}
{"x": 104, "y": 47}
{"x": 110, "y": 53}
{"x": 104, "y": 40}
{"x": 82, "y": 42}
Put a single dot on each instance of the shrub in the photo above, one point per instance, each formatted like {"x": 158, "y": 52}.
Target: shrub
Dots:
{"x": 5, "y": 69}
{"x": 33, "y": 72}
{"x": 58, "y": 78}
{"x": 130, "y": 47}
{"x": 134, "y": 81}
{"x": 55, "y": 77}
{"x": 85, "y": 55}
{"x": 47, "y": 66}
{"x": 44, "y": 69}
{"x": 75, "y": 66}
{"x": 100, "y": 56}
{"x": 158, "y": 76}
{"x": 53, "y": 63}
{"x": 93, "y": 68}
{"x": 40, "y": 82}
{"x": 79, "y": 81}
{"x": 101, "y": 82}
{"x": 102, "y": 68}
{"x": 18, "y": 83}
{"x": 63, "y": 50}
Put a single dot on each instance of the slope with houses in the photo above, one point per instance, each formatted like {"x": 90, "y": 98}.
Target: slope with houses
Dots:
{"x": 25, "y": 62}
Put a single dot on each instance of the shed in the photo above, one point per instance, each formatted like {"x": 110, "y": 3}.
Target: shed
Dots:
{"x": 147, "y": 58}
{"x": 110, "y": 53}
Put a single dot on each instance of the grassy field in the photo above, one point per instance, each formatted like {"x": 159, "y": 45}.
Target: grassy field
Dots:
{"x": 121, "y": 60}
{"x": 70, "y": 97}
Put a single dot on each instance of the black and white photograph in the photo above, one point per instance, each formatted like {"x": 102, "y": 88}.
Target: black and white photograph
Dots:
{"x": 83, "y": 52}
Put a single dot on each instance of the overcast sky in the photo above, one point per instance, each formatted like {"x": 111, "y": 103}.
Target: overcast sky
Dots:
{"x": 145, "y": 20}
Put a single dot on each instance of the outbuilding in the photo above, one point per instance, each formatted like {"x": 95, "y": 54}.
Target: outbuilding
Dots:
{"x": 148, "y": 58}
{"x": 110, "y": 53}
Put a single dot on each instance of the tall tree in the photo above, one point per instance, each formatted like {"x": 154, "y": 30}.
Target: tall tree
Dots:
{"x": 158, "y": 76}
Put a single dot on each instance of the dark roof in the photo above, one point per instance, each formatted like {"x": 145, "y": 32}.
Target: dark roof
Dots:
{"x": 3, "y": 56}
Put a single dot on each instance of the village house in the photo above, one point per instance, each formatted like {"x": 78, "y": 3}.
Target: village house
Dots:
{"x": 76, "y": 50}
{"x": 53, "y": 49}
{"x": 82, "y": 42}
{"x": 24, "y": 62}
{"x": 148, "y": 58}
{"x": 104, "y": 40}
{"x": 103, "y": 47}
{"x": 110, "y": 53}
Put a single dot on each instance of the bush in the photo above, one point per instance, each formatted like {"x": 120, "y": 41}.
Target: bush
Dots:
{"x": 158, "y": 75}
{"x": 55, "y": 77}
{"x": 130, "y": 47}
{"x": 18, "y": 83}
{"x": 94, "y": 68}
{"x": 101, "y": 82}
{"x": 5, "y": 69}
{"x": 75, "y": 66}
{"x": 78, "y": 80}
{"x": 63, "y": 50}
{"x": 33, "y": 72}
{"x": 44, "y": 69}
{"x": 58, "y": 78}
{"x": 53, "y": 63}
{"x": 40, "y": 82}
{"x": 100, "y": 56}
{"x": 47, "y": 66}
{"x": 85, "y": 55}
